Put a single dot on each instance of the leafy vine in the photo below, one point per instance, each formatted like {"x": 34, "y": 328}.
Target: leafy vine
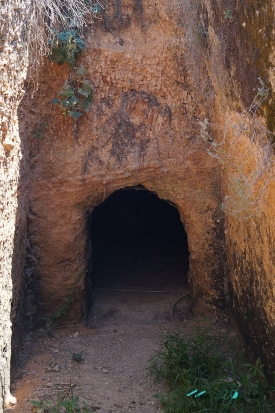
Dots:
{"x": 76, "y": 95}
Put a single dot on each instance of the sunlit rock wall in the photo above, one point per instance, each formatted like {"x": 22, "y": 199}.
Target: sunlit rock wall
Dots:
{"x": 240, "y": 61}
{"x": 142, "y": 129}
{"x": 13, "y": 66}
{"x": 172, "y": 80}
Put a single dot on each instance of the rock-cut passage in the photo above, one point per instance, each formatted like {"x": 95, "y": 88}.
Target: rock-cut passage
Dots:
{"x": 139, "y": 258}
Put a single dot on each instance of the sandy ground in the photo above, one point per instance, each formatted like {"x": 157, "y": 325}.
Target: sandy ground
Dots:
{"x": 135, "y": 303}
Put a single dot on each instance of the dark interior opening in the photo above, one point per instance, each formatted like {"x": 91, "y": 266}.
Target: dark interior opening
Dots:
{"x": 138, "y": 243}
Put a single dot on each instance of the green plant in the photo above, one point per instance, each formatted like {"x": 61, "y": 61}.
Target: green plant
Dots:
{"x": 262, "y": 90}
{"x": 202, "y": 377}
{"x": 39, "y": 130}
{"x": 65, "y": 46}
{"x": 63, "y": 16}
{"x": 66, "y": 305}
{"x": 67, "y": 404}
{"x": 202, "y": 31}
{"x": 76, "y": 95}
{"x": 78, "y": 357}
{"x": 228, "y": 14}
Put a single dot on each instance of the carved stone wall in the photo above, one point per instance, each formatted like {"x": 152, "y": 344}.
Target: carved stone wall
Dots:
{"x": 158, "y": 69}
{"x": 13, "y": 178}
{"x": 142, "y": 129}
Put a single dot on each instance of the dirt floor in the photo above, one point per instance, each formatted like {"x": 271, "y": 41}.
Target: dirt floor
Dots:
{"x": 137, "y": 296}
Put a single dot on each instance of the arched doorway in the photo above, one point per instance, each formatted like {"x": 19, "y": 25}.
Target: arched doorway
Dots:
{"x": 139, "y": 248}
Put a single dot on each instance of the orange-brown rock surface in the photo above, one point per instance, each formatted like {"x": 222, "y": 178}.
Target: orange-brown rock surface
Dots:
{"x": 158, "y": 70}
{"x": 142, "y": 129}
{"x": 161, "y": 71}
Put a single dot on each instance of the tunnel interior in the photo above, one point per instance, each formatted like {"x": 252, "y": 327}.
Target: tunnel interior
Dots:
{"x": 138, "y": 243}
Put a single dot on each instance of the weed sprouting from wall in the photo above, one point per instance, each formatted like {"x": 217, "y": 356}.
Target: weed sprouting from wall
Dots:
{"x": 65, "y": 46}
{"x": 228, "y": 14}
{"x": 56, "y": 14}
{"x": 65, "y": 306}
{"x": 246, "y": 150}
{"x": 39, "y": 130}
{"x": 76, "y": 96}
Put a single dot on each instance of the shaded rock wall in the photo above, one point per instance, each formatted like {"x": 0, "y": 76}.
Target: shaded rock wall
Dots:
{"x": 245, "y": 54}
{"x": 248, "y": 55}
{"x": 13, "y": 200}
{"x": 252, "y": 279}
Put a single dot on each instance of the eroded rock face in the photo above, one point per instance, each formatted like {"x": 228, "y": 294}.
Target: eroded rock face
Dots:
{"x": 142, "y": 129}
{"x": 158, "y": 69}
{"x": 248, "y": 58}
{"x": 13, "y": 199}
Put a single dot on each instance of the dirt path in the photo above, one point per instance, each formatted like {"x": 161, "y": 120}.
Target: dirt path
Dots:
{"x": 113, "y": 376}
{"x": 123, "y": 329}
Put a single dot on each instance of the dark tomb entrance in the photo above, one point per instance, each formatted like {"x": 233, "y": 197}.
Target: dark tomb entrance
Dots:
{"x": 139, "y": 255}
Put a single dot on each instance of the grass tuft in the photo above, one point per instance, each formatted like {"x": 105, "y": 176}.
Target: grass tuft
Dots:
{"x": 202, "y": 376}
{"x": 64, "y": 404}
{"x": 78, "y": 357}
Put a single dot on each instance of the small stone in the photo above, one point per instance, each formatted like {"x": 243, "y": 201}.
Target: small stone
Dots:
{"x": 75, "y": 335}
{"x": 55, "y": 350}
{"x": 56, "y": 368}
{"x": 105, "y": 371}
